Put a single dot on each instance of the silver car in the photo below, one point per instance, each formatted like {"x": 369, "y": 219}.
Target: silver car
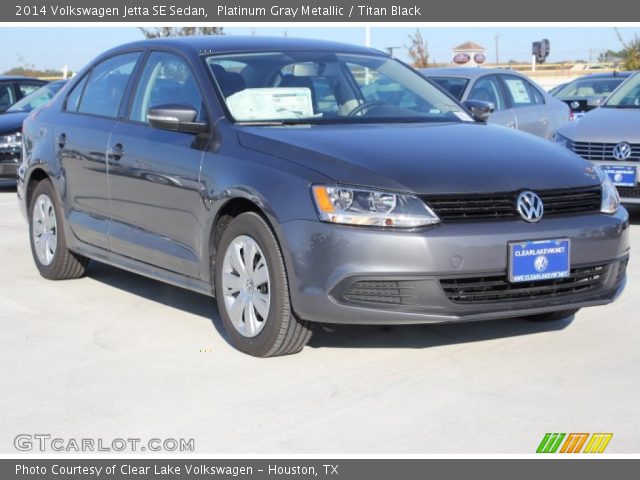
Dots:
{"x": 519, "y": 102}
{"x": 609, "y": 136}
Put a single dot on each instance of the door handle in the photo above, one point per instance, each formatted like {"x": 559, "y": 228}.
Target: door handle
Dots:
{"x": 116, "y": 152}
{"x": 62, "y": 140}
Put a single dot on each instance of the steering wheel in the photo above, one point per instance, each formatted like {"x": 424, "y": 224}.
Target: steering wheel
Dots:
{"x": 365, "y": 106}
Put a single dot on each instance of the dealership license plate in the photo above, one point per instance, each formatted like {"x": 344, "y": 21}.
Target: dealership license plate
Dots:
{"x": 621, "y": 176}
{"x": 531, "y": 261}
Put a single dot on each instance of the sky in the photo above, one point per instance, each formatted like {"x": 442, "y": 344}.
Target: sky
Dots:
{"x": 55, "y": 47}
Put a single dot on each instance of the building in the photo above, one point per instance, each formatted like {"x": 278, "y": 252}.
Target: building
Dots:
{"x": 469, "y": 54}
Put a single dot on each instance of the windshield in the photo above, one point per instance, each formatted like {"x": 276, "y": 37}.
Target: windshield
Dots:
{"x": 588, "y": 87}
{"x": 36, "y": 99}
{"x": 627, "y": 96}
{"x": 326, "y": 87}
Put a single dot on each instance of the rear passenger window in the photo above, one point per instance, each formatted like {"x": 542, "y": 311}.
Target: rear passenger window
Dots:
{"x": 522, "y": 93}
{"x": 166, "y": 79}
{"x": 106, "y": 85}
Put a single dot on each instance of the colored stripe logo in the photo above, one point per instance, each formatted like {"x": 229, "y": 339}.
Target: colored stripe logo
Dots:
{"x": 574, "y": 443}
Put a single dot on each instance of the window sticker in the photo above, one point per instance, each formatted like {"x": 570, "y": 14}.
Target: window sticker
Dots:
{"x": 518, "y": 91}
{"x": 271, "y": 103}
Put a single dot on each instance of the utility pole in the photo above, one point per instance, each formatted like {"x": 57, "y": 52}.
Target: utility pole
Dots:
{"x": 496, "y": 38}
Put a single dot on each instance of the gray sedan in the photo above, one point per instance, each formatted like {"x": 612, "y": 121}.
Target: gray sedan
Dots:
{"x": 519, "y": 102}
{"x": 610, "y": 137}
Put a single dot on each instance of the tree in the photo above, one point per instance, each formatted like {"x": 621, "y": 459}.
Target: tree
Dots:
{"x": 27, "y": 69}
{"x": 162, "y": 32}
{"x": 418, "y": 50}
{"x": 630, "y": 53}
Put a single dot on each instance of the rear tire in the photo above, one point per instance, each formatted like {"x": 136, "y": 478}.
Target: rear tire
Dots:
{"x": 46, "y": 234}
{"x": 252, "y": 291}
{"x": 551, "y": 316}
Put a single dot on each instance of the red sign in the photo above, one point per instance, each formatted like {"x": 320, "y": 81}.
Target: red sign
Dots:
{"x": 479, "y": 58}
{"x": 461, "y": 58}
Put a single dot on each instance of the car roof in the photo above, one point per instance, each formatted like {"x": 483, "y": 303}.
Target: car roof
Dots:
{"x": 13, "y": 78}
{"x": 230, "y": 44}
{"x": 465, "y": 72}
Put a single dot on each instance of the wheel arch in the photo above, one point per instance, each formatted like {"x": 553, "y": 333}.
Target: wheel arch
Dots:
{"x": 228, "y": 210}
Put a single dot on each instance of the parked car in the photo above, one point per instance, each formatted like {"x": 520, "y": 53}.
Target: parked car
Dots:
{"x": 577, "y": 93}
{"x": 552, "y": 91}
{"x": 609, "y": 136}
{"x": 519, "y": 102}
{"x": 11, "y": 127}
{"x": 302, "y": 199}
{"x": 13, "y": 89}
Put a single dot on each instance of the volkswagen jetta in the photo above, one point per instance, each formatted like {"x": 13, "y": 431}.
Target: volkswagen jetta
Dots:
{"x": 309, "y": 181}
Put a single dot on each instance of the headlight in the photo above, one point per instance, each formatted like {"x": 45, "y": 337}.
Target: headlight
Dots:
{"x": 358, "y": 206}
{"x": 13, "y": 141}
{"x": 610, "y": 198}
{"x": 561, "y": 140}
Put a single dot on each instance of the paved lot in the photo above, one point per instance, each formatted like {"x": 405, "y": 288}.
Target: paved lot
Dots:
{"x": 117, "y": 355}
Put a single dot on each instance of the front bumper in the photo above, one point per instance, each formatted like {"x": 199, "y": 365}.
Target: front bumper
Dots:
{"x": 325, "y": 261}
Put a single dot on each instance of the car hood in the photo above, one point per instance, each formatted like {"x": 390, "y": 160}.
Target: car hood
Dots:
{"x": 11, "y": 121}
{"x": 606, "y": 125}
{"x": 424, "y": 158}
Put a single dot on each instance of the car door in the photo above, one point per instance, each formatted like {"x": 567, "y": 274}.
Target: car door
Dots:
{"x": 528, "y": 105}
{"x": 154, "y": 173}
{"x": 488, "y": 89}
{"x": 82, "y": 133}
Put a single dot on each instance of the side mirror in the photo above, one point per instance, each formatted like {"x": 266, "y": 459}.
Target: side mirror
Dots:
{"x": 595, "y": 102}
{"x": 479, "y": 110}
{"x": 175, "y": 117}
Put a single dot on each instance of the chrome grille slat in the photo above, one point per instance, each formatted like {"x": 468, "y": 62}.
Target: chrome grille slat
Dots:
{"x": 603, "y": 151}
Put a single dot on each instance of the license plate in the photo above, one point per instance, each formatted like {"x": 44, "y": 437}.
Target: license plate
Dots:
{"x": 621, "y": 176}
{"x": 531, "y": 261}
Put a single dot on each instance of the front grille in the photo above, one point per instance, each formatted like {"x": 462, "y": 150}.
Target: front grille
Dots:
{"x": 389, "y": 292}
{"x": 503, "y": 205}
{"x": 602, "y": 151}
{"x": 629, "y": 192}
{"x": 491, "y": 289}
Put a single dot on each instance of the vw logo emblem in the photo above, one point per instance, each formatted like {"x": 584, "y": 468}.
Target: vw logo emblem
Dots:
{"x": 540, "y": 263}
{"x": 530, "y": 206}
{"x": 575, "y": 105}
{"x": 622, "y": 151}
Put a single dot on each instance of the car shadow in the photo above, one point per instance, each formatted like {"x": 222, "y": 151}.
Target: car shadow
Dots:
{"x": 329, "y": 336}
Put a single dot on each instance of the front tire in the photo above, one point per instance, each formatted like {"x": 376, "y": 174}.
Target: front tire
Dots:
{"x": 552, "y": 316}
{"x": 46, "y": 233}
{"x": 252, "y": 291}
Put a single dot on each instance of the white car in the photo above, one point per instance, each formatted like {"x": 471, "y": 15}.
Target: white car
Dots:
{"x": 519, "y": 102}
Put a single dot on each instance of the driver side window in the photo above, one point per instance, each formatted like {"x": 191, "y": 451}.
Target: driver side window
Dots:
{"x": 487, "y": 89}
{"x": 166, "y": 79}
